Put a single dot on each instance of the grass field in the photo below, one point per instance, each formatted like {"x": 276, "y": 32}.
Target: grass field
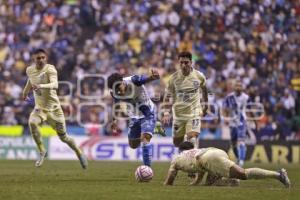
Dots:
{"x": 62, "y": 180}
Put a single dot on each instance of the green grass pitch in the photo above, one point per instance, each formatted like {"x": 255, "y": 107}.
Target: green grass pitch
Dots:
{"x": 65, "y": 180}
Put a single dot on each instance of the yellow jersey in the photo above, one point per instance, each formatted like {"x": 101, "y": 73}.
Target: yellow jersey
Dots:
{"x": 185, "y": 91}
{"x": 46, "y": 97}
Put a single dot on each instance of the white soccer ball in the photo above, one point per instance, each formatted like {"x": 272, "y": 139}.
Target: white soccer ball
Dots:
{"x": 143, "y": 173}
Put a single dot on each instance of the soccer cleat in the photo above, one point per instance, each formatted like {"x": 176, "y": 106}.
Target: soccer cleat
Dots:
{"x": 159, "y": 130}
{"x": 40, "y": 161}
{"x": 283, "y": 178}
{"x": 241, "y": 163}
{"x": 83, "y": 161}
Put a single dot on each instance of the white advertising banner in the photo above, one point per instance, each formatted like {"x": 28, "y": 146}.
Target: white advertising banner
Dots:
{"x": 18, "y": 148}
{"x": 111, "y": 148}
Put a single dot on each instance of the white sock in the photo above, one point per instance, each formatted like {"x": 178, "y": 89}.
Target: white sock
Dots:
{"x": 257, "y": 173}
{"x": 194, "y": 140}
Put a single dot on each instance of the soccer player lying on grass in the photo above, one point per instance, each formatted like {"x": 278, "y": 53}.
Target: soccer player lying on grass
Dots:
{"x": 217, "y": 163}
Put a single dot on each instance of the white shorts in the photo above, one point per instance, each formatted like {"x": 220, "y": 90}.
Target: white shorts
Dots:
{"x": 181, "y": 127}
{"x": 55, "y": 119}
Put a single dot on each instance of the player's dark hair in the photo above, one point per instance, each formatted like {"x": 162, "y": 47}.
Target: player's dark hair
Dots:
{"x": 114, "y": 78}
{"x": 185, "y": 146}
{"x": 185, "y": 54}
{"x": 39, "y": 51}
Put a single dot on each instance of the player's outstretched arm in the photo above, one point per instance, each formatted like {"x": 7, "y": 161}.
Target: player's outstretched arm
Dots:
{"x": 53, "y": 82}
{"x": 143, "y": 79}
{"x": 172, "y": 173}
{"x": 154, "y": 75}
{"x": 26, "y": 90}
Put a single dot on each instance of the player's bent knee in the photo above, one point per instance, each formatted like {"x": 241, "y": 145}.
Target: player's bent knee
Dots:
{"x": 237, "y": 172}
{"x": 63, "y": 137}
{"x": 134, "y": 143}
{"x": 33, "y": 125}
{"x": 146, "y": 137}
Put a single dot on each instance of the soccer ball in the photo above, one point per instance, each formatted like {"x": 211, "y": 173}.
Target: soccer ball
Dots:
{"x": 143, "y": 173}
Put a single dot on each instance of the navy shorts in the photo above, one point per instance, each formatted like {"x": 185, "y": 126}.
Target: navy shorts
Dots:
{"x": 139, "y": 126}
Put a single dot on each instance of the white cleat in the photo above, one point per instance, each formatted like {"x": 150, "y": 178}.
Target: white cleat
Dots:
{"x": 83, "y": 161}
{"x": 241, "y": 163}
{"x": 283, "y": 178}
{"x": 40, "y": 161}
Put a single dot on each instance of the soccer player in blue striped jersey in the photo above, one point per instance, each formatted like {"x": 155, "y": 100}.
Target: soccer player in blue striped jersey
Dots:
{"x": 234, "y": 106}
{"x": 131, "y": 90}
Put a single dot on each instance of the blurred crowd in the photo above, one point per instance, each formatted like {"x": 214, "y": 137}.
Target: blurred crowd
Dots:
{"x": 255, "y": 41}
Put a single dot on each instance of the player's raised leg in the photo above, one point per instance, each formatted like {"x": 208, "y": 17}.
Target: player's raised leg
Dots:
{"x": 34, "y": 122}
{"x": 147, "y": 129}
{"x": 57, "y": 121}
{"x": 134, "y": 133}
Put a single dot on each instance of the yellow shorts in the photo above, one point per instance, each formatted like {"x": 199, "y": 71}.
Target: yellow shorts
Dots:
{"x": 181, "y": 127}
{"x": 216, "y": 162}
{"x": 55, "y": 119}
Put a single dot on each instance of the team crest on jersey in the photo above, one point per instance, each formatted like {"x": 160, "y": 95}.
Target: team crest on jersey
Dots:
{"x": 196, "y": 84}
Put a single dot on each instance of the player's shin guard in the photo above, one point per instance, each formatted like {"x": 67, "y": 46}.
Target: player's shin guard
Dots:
{"x": 147, "y": 153}
{"x": 257, "y": 173}
{"x": 242, "y": 150}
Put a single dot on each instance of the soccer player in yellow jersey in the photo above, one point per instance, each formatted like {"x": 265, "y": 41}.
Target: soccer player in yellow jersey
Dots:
{"x": 42, "y": 78}
{"x": 184, "y": 88}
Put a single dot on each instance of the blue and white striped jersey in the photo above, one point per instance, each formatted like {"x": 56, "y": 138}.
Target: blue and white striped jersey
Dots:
{"x": 140, "y": 104}
{"x": 236, "y": 106}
